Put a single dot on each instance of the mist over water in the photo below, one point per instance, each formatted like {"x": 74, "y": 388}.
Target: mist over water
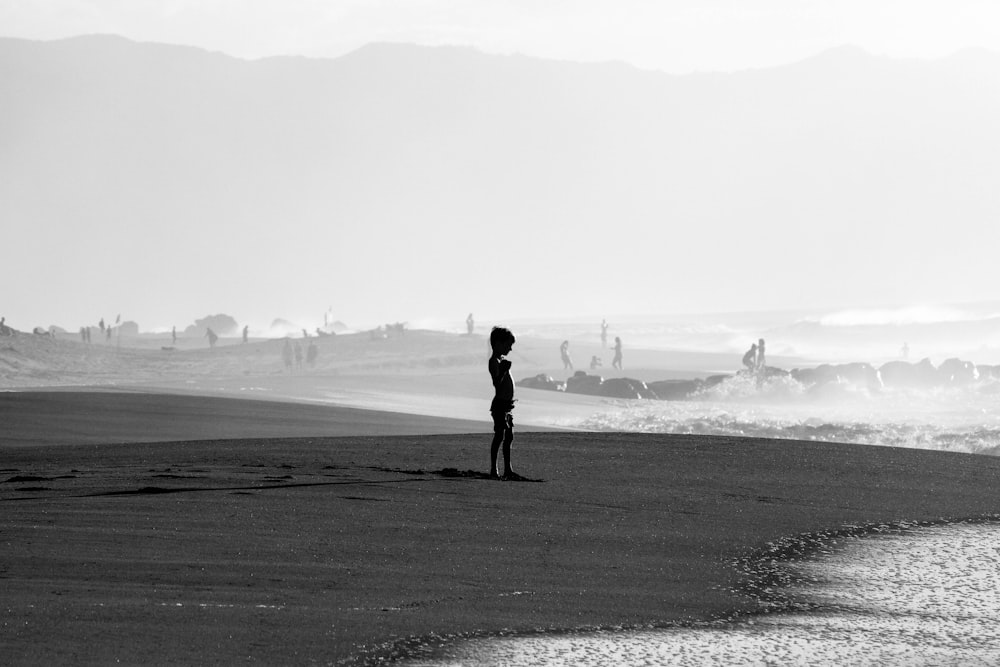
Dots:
{"x": 963, "y": 418}
{"x": 873, "y": 335}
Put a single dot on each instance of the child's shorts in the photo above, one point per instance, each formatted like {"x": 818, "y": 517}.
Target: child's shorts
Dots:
{"x": 502, "y": 421}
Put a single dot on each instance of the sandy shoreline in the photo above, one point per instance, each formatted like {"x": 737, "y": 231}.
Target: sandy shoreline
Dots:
{"x": 331, "y": 549}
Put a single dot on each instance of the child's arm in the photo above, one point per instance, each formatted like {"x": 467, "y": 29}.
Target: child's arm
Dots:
{"x": 495, "y": 372}
{"x": 498, "y": 368}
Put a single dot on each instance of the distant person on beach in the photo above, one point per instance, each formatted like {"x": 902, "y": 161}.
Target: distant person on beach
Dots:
{"x": 604, "y": 333}
{"x": 501, "y": 342}
{"x": 906, "y": 350}
{"x": 761, "y": 361}
{"x": 564, "y": 353}
{"x": 298, "y": 356}
{"x": 750, "y": 358}
{"x": 286, "y": 354}
{"x": 246, "y": 333}
{"x": 311, "y": 353}
{"x": 101, "y": 324}
{"x": 212, "y": 337}
{"x": 108, "y": 331}
{"x": 470, "y": 324}
{"x": 173, "y": 336}
{"x": 4, "y": 329}
{"x": 617, "y": 361}
{"x": 595, "y": 362}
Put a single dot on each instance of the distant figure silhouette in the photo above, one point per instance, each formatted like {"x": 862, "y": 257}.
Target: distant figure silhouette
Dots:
{"x": 470, "y": 324}
{"x": 246, "y": 333}
{"x": 617, "y": 361}
{"x": 83, "y": 335}
{"x": 906, "y": 350}
{"x": 564, "y": 353}
{"x": 761, "y": 361}
{"x": 286, "y": 355}
{"x": 101, "y": 324}
{"x": 4, "y": 329}
{"x": 595, "y": 362}
{"x": 311, "y": 353}
{"x": 212, "y": 337}
{"x": 173, "y": 336}
{"x": 298, "y": 356}
{"x": 501, "y": 343}
{"x": 108, "y": 331}
{"x": 750, "y": 358}
{"x": 604, "y": 333}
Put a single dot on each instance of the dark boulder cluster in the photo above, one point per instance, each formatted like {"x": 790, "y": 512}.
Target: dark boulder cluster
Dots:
{"x": 591, "y": 385}
{"x": 951, "y": 373}
{"x": 858, "y": 374}
{"x": 894, "y": 374}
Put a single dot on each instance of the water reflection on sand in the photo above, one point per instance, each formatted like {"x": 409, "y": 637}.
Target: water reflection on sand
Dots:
{"x": 924, "y": 597}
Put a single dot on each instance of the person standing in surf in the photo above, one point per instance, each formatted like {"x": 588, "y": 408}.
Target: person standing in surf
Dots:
{"x": 501, "y": 342}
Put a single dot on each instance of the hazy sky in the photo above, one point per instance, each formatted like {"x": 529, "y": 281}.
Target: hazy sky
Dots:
{"x": 676, "y": 36}
{"x": 671, "y": 35}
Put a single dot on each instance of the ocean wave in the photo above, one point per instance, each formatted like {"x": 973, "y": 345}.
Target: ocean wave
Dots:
{"x": 948, "y": 419}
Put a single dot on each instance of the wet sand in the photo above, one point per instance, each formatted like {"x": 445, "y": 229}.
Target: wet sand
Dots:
{"x": 338, "y": 544}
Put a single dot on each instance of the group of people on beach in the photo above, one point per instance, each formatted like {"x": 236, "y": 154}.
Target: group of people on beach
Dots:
{"x": 595, "y": 361}
{"x": 292, "y": 354}
{"x": 754, "y": 359}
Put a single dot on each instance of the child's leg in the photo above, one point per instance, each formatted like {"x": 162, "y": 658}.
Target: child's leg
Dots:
{"x": 494, "y": 450}
{"x": 508, "y": 438}
{"x": 499, "y": 427}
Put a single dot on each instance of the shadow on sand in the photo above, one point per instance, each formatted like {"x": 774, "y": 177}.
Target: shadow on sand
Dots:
{"x": 465, "y": 474}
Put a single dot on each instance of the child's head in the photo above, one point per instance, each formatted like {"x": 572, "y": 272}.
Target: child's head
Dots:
{"x": 501, "y": 340}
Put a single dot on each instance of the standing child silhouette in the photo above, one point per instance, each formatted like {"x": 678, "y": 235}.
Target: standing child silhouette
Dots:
{"x": 501, "y": 341}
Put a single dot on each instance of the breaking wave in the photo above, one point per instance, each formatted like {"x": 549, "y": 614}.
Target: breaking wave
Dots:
{"x": 962, "y": 419}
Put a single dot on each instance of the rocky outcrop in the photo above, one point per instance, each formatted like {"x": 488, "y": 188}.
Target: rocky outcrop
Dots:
{"x": 957, "y": 372}
{"x": 827, "y": 380}
{"x": 581, "y": 383}
{"x": 922, "y": 375}
{"x": 625, "y": 388}
{"x": 675, "y": 390}
{"x": 859, "y": 374}
{"x": 542, "y": 381}
{"x": 905, "y": 374}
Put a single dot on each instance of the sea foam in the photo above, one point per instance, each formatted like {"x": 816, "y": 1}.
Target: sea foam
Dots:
{"x": 962, "y": 419}
{"x": 928, "y": 596}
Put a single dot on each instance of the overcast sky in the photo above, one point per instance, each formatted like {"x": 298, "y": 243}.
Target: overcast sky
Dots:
{"x": 672, "y": 35}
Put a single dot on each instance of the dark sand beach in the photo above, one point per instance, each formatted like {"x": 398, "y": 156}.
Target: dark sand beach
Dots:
{"x": 328, "y": 549}
{"x": 147, "y": 527}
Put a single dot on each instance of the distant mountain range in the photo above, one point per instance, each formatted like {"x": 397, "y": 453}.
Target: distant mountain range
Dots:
{"x": 867, "y": 172}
